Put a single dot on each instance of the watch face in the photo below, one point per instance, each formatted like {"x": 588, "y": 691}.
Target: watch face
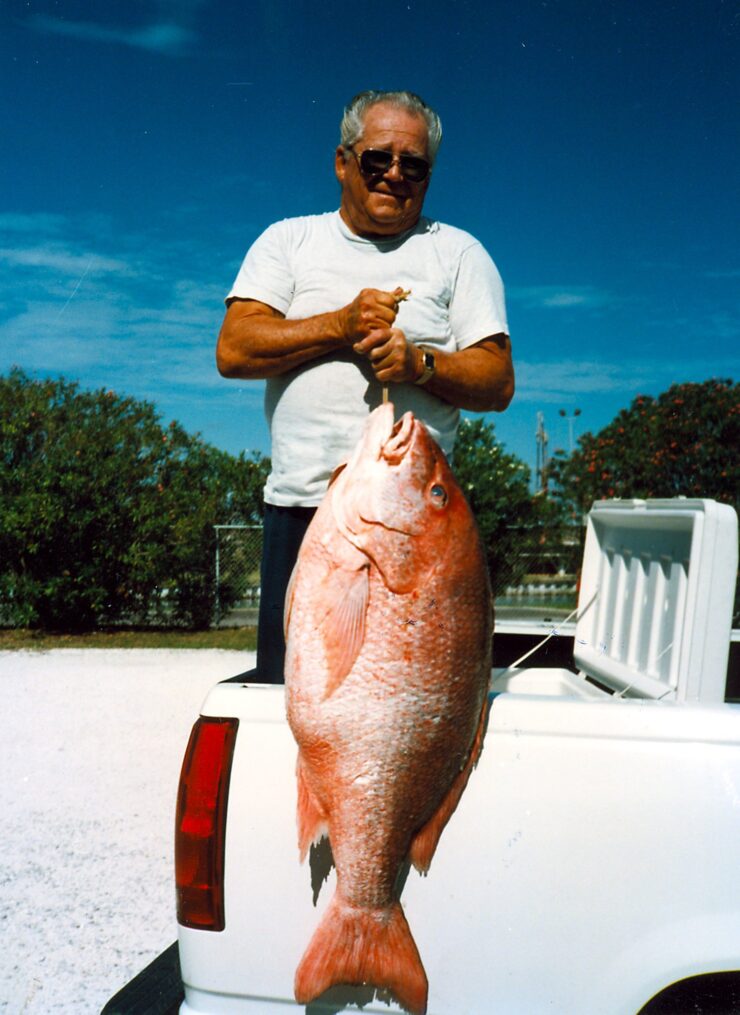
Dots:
{"x": 427, "y": 359}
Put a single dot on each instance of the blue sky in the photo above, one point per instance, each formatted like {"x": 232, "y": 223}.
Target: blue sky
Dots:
{"x": 591, "y": 145}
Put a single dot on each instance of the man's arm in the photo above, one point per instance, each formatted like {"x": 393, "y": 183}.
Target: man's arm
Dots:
{"x": 256, "y": 341}
{"x": 479, "y": 378}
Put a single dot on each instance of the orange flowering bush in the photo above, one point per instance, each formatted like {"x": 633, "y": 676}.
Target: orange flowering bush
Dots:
{"x": 685, "y": 442}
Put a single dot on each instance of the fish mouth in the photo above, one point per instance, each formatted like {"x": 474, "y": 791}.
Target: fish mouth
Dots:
{"x": 399, "y": 441}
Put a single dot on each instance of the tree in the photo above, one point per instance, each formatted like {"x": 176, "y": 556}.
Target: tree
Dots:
{"x": 513, "y": 522}
{"x": 683, "y": 443}
{"x": 105, "y": 515}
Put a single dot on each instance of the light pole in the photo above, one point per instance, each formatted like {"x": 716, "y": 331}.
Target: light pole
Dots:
{"x": 541, "y": 441}
{"x": 576, "y": 412}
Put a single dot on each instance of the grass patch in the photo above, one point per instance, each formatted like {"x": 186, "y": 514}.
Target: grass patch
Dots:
{"x": 240, "y": 638}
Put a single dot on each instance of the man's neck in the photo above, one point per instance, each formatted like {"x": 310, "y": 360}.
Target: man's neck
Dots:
{"x": 367, "y": 234}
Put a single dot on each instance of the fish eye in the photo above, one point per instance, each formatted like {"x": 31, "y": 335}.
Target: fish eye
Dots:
{"x": 438, "y": 495}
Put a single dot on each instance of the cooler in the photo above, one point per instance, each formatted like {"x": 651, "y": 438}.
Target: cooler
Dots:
{"x": 655, "y": 605}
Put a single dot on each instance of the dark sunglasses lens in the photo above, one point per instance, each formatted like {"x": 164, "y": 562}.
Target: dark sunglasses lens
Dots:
{"x": 375, "y": 163}
{"x": 414, "y": 170}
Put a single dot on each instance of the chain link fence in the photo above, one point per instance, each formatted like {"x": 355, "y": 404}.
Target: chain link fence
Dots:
{"x": 538, "y": 567}
{"x": 539, "y": 571}
{"x": 237, "y": 569}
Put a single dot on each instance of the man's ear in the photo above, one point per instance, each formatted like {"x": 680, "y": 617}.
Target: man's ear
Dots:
{"x": 340, "y": 163}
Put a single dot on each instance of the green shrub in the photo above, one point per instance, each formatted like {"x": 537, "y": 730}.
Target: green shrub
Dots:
{"x": 105, "y": 515}
{"x": 515, "y": 525}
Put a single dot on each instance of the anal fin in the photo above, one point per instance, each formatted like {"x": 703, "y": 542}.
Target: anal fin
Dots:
{"x": 425, "y": 842}
{"x": 312, "y": 820}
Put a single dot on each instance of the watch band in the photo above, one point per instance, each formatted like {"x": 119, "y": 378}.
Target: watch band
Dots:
{"x": 430, "y": 365}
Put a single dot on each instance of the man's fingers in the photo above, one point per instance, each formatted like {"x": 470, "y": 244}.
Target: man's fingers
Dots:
{"x": 380, "y": 302}
{"x": 400, "y": 294}
{"x": 376, "y": 338}
{"x": 371, "y": 310}
{"x": 379, "y": 306}
{"x": 392, "y": 361}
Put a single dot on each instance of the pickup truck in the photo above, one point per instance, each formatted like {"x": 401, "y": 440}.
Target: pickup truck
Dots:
{"x": 591, "y": 866}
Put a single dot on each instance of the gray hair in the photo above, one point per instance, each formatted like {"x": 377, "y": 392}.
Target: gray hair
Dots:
{"x": 354, "y": 116}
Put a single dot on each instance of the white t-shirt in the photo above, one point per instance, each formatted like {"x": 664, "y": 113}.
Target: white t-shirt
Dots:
{"x": 314, "y": 264}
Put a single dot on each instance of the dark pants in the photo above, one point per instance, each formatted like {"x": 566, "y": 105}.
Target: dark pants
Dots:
{"x": 282, "y": 534}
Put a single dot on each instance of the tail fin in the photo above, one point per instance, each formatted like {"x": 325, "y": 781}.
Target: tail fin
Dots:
{"x": 360, "y": 946}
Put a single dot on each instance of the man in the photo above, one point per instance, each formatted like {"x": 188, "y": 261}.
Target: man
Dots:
{"x": 330, "y": 308}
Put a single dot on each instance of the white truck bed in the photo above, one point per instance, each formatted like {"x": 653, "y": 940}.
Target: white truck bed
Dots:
{"x": 590, "y": 863}
{"x": 592, "y": 860}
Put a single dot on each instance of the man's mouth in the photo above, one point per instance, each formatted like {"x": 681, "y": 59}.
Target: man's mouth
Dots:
{"x": 390, "y": 196}
{"x": 389, "y": 189}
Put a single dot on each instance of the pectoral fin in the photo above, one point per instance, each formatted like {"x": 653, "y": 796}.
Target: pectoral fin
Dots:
{"x": 343, "y": 627}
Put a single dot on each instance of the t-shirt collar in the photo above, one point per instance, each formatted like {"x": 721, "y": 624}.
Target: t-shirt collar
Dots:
{"x": 393, "y": 241}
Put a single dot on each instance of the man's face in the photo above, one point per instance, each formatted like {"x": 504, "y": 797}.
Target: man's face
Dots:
{"x": 386, "y": 204}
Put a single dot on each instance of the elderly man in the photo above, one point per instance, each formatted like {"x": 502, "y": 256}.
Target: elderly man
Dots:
{"x": 330, "y": 308}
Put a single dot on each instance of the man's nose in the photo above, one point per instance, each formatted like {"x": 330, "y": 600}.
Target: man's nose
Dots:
{"x": 394, "y": 171}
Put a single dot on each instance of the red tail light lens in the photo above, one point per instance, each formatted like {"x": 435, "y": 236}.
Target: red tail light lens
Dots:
{"x": 200, "y": 825}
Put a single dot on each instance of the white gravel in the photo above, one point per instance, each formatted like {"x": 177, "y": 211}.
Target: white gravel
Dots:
{"x": 91, "y": 743}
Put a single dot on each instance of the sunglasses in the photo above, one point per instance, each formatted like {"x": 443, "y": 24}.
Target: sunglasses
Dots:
{"x": 375, "y": 162}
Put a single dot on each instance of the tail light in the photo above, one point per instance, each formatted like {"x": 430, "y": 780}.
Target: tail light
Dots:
{"x": 200, "y": 825}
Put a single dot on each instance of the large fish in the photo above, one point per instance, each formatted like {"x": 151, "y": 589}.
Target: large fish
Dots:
{"x": 388, "y": 661}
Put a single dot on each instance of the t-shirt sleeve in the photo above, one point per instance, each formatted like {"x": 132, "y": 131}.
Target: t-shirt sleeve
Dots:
{"x": 266, "y": 273}
{"x": 477, "y": 306}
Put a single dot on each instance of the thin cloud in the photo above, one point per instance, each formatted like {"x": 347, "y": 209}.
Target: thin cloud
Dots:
{"x": 40, "y": 222}
{"x": 548, "y": 382}
{"x": 567, "y": 300}
{"x": 168, "y": 37}
{"x": 724, "y": 325}
{"x": 110, "y": 311}
{"x": 559, "y": 297}
{"x": 551, "y": 382}
{"x": 722, "y": 274}
{"x": 57, "y": 259}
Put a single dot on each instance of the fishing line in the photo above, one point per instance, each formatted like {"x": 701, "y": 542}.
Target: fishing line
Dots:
{"x": 71, "y": 296}
{"x": 554, "y": 631}
{"x": 400, "y": 297}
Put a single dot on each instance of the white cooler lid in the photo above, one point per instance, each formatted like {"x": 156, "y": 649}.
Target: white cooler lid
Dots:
{"x": 656, "y": 597}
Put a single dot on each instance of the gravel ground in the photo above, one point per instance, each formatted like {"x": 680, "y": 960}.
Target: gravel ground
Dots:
{"x": 91, "y": 743}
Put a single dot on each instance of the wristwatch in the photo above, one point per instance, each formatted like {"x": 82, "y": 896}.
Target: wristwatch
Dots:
{"x": 430, "y": 365}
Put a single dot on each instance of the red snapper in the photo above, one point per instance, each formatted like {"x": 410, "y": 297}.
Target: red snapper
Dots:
{"x": 388, "y": 622}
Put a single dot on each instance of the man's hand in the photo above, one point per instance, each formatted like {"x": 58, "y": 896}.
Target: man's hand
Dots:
{"x": 394, "y": 359}
{"x": 371, "y": 310}
{"x": 368, "y": 324}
